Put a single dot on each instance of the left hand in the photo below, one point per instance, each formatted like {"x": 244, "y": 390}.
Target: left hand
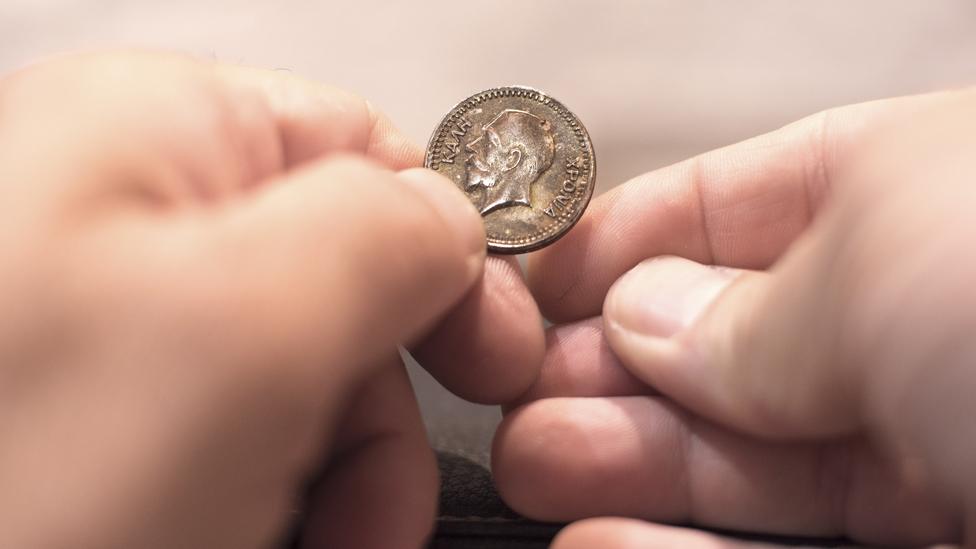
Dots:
{"x": 207, "y": 271}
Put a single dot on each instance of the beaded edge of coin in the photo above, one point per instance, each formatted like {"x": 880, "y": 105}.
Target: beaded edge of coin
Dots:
{"x": 567, "y": 206}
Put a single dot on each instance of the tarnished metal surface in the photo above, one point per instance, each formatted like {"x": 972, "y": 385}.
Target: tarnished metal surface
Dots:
{"x": 524, "y": 160}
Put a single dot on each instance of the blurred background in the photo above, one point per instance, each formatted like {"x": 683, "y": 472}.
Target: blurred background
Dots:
{"x": 654, "y": 81}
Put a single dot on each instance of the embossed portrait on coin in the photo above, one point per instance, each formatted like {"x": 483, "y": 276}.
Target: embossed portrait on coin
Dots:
{"x": 515, "y": 148}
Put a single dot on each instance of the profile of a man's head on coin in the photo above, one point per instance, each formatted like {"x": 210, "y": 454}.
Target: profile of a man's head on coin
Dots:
{"x": 515, "y": 148}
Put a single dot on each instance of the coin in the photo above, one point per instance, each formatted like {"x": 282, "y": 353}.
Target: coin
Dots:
{"x": 523, "y": 159}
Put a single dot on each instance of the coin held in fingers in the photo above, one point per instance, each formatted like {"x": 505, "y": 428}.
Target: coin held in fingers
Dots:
{"x": 523, "y": 159}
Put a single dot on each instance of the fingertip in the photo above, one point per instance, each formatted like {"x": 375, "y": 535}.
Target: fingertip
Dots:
{"x": 489, "y": 348}
{"x": 461, "y": 220}
{"x": 559, "y": 459}
{"x": 553, "y": 275}
{"x": 610, "y": 533}
{"x": 344, "y": 243}
{"x": 664, "y": 296}
{"x": 380, "y": 483}
{"x": 562, "y": 459}
{"x": 513, "y": 463}
{"x": 388, "y": 143}
{"x": 578, "y": 362}
{"x": 651, "y": 319}
{"x": 653, "y": 323}
{"x": 629, "y": 533}
{"x": 316, "y": 119}
{"x": 716, "y": 339}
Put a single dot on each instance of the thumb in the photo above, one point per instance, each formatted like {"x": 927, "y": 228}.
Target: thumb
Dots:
{"x": 757, "y": 351}
{"x": 341, "y": 261}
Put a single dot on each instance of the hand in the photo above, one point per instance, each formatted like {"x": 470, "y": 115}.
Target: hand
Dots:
{"x": 818, "y": 382}
{"x": 207, "y": 271}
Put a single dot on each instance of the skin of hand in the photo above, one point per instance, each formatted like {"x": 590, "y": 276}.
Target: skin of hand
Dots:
{"x": 207, "y": 272}
{"x": 772, "y": 337}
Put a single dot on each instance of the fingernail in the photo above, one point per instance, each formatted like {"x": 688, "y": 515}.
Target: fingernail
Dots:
{"x": 454, "y": 207}
{"x": 661, "y": 297}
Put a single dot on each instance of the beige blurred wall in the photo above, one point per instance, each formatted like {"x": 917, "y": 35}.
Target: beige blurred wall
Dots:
{"x": 654, "y": 81}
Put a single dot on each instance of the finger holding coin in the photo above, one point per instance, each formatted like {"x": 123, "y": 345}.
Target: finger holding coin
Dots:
{"x": 526, "y": 163}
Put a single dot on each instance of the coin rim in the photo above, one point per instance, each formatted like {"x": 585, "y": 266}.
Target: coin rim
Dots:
{"x": 512, "y": 249}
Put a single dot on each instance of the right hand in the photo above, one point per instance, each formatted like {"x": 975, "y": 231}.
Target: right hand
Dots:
{"x": 822, "y": 383}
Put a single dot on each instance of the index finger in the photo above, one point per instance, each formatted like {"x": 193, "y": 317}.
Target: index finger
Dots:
{"x": 178, "y": 126}
{"x": 740, "y": 206}
{"x": 489, "y": 347}
{"x": 314, "y": 119}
